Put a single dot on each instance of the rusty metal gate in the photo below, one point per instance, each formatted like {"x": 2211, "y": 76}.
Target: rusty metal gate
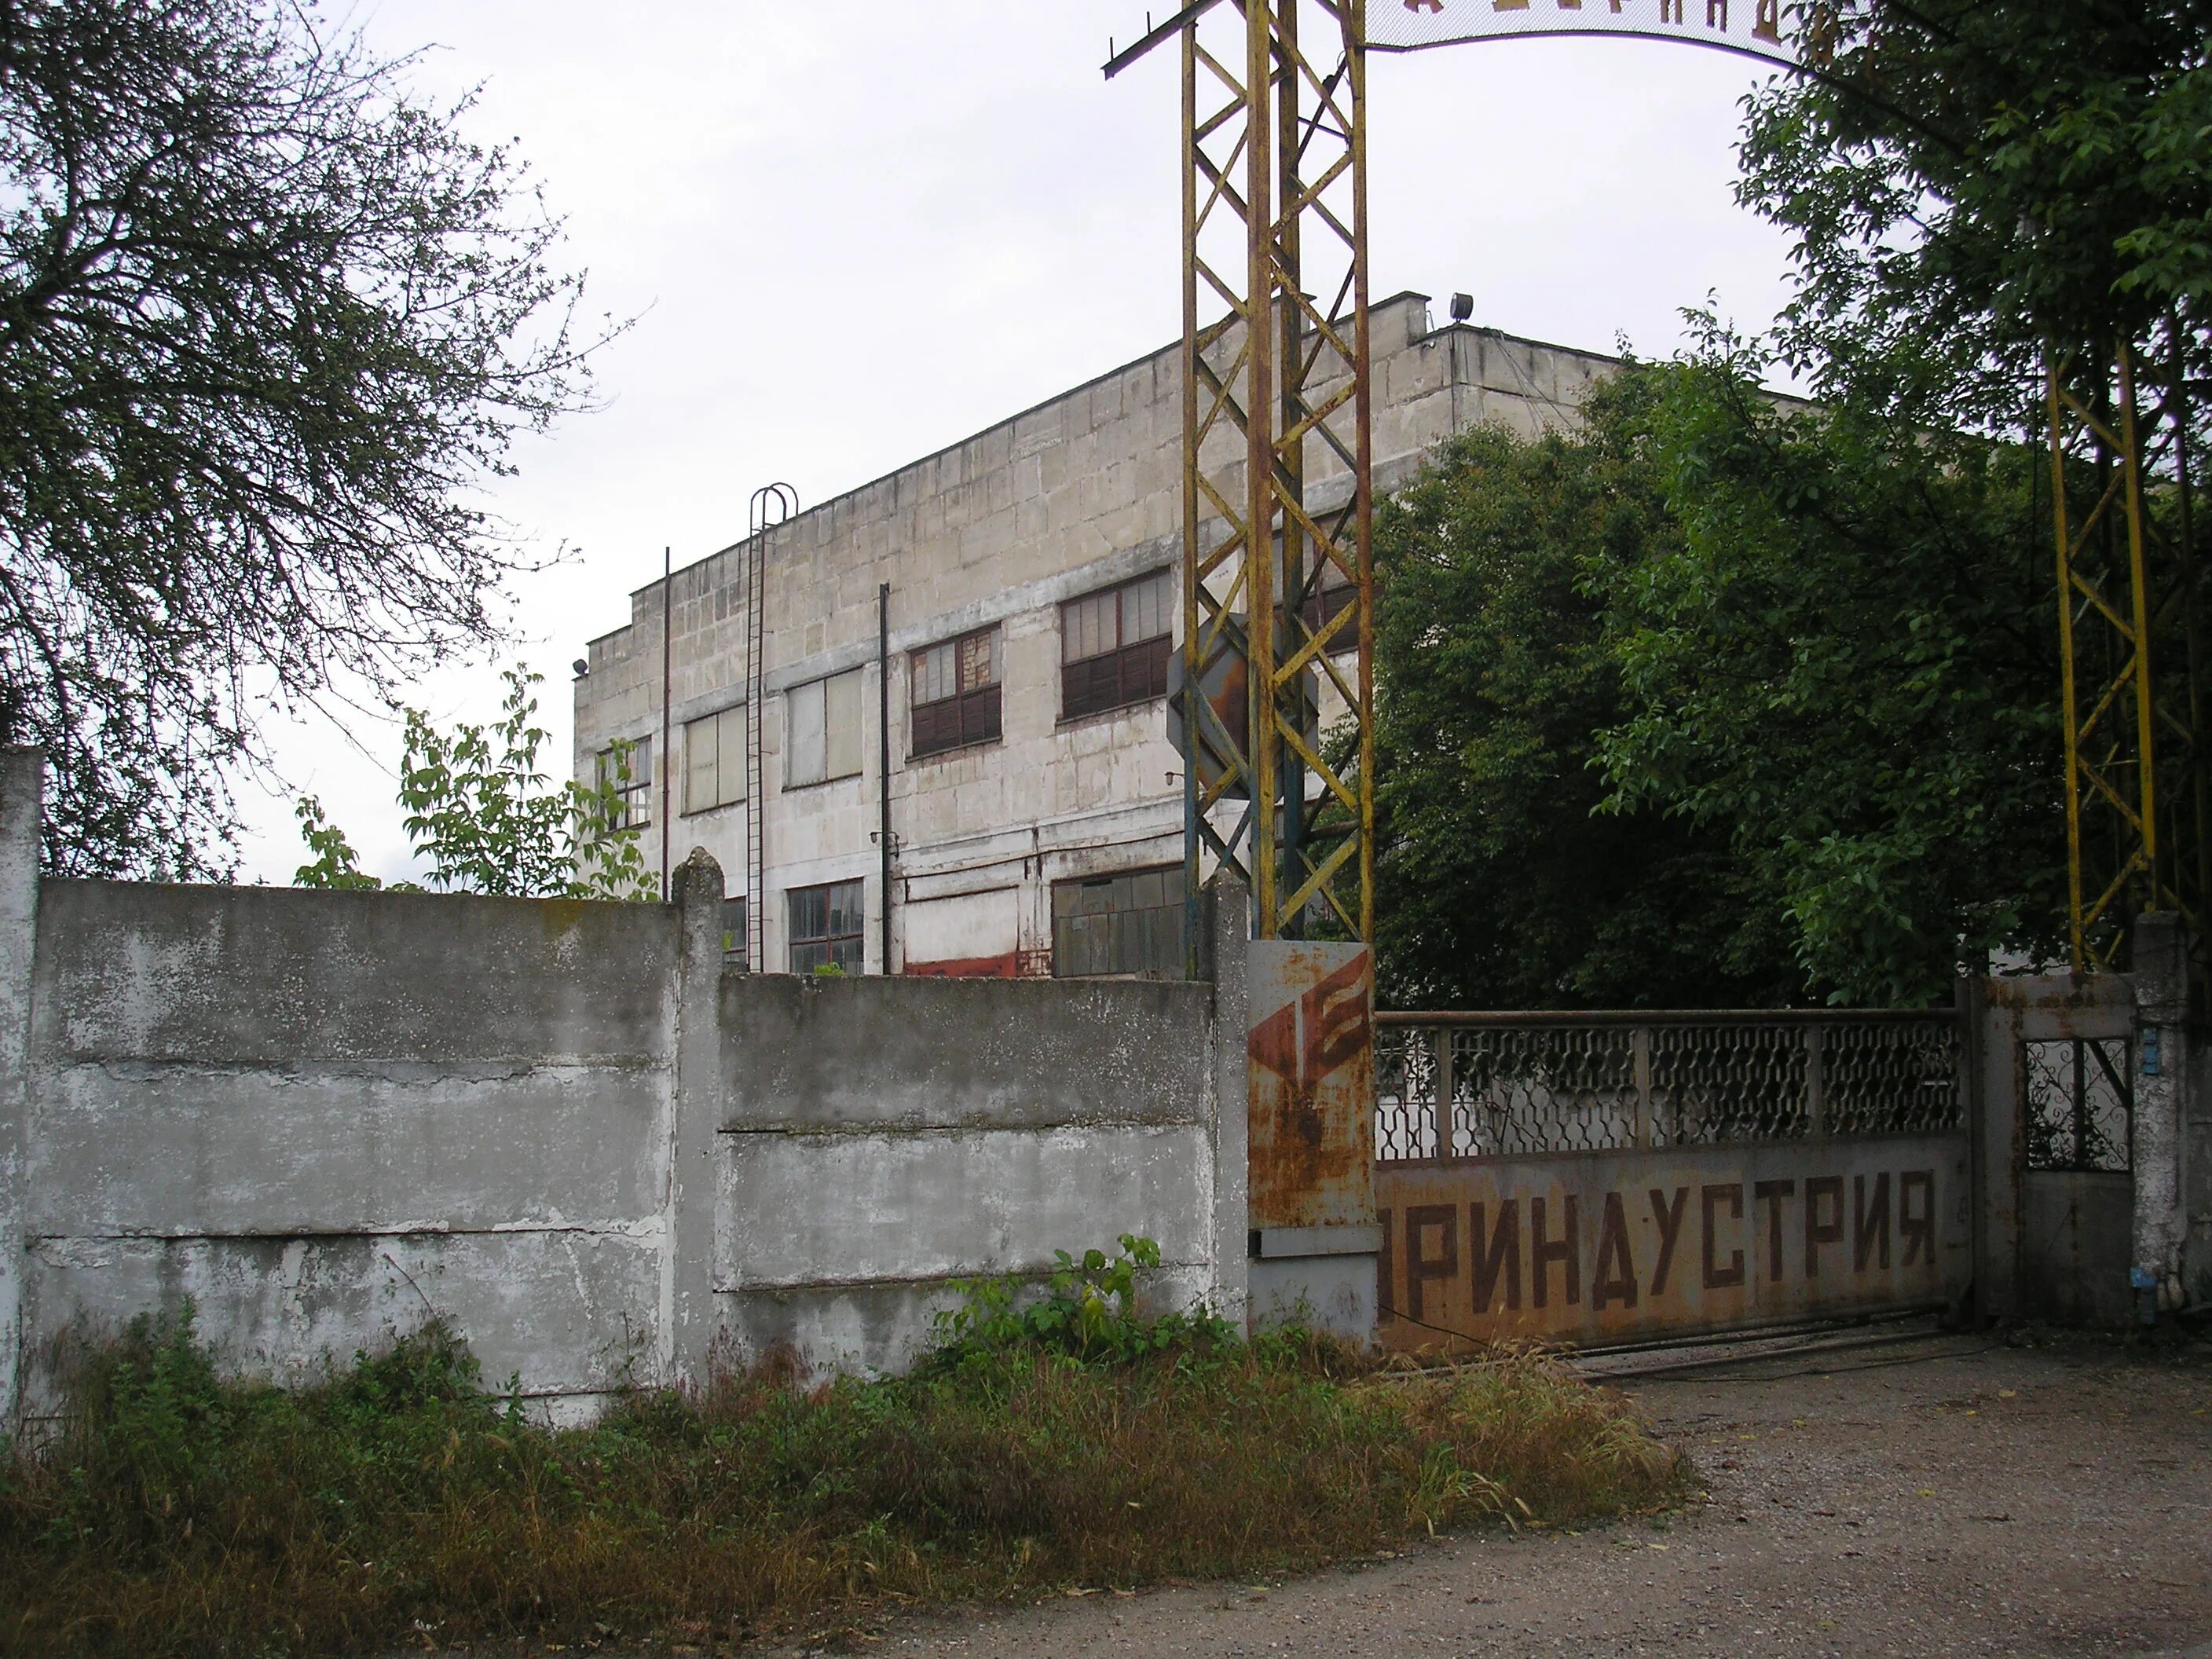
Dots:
{"x": 2059, "y": 1059}
{"x": 1602, "y": 1178}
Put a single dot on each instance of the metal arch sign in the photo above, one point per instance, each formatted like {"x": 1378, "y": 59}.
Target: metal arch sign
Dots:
{"x": 1796, "y": 34}
{"x": 1781, "y": 31}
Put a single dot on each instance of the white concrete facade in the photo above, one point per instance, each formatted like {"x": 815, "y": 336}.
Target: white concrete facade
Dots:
{"x": 1001, "y": 531}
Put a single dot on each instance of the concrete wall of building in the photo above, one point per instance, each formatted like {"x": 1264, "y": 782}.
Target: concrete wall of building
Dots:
{"x": 565, "y": 1128}
{"x": 1081, "y": 492}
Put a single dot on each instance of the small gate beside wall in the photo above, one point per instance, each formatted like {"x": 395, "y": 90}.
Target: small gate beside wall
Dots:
{"x": 1603, "y": 1178}
{"x": 2058, "y": 1066}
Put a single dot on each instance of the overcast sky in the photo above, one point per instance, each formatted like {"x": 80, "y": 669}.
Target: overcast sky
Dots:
{"x": 855, "y": 234}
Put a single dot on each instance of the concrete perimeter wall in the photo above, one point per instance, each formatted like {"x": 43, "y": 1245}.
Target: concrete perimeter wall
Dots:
{"x": 564, "y": 1128}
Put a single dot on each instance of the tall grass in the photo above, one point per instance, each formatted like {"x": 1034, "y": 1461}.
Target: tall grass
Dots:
{"x": 178, "y": 1513}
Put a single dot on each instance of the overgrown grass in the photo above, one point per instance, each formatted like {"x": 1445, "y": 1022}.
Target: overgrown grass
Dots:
{"x": 180, "y": 1513}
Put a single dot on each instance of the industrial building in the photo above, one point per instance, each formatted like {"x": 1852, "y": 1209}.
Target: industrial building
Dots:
{"x": 972, "y": 653}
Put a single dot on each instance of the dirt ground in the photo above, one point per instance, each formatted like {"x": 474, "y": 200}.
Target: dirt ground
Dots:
{"x": 1926, "y": 1498}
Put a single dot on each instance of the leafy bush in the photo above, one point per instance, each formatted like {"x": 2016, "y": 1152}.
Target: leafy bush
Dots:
{"x": 1088, "y": 1311}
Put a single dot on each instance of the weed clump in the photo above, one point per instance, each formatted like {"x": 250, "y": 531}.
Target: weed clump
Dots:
{"x": 1061, "y": 1441}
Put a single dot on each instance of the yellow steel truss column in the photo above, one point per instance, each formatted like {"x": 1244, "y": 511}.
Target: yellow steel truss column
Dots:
{"x": 1278, "y": 498}
{"x": 2134, "y": 837}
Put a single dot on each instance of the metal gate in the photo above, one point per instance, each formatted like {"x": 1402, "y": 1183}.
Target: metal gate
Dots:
{"x": 1604, "y": 1178}
{"x": 2059, "y": 1060}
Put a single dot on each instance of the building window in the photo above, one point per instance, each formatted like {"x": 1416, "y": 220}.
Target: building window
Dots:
{"x": 821, "y": 729}
{"x": 737, "y": 951}
{"x": 955, "y": 693}
{"x": 714, "y": 759}
{"x": 1114, "y": 645}
{"x": 629, "y": 768}
{"x": 828, "y": 926}
{"x": 1130, "y": 923}
{"x": 1337, "y": 602}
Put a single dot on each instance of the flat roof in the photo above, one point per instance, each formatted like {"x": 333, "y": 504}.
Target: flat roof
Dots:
{"x": 1077, "y": 389}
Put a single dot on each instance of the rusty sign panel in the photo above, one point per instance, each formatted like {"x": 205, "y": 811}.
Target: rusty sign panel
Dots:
{"x": 1311, "y": 1048}
{"x": 1597, "y": 1248}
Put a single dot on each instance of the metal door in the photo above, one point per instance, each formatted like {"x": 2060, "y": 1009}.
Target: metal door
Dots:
{"x": 2057, "y": 1064}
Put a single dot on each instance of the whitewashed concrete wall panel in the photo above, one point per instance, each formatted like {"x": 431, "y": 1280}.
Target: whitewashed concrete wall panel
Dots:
{"x": 926, "y": 1206}
{"x": 165, "y": 1149}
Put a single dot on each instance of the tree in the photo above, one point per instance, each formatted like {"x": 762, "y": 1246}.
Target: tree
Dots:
{"x": 482, "y": 819}
{"x": 265, "y": 320}
{"x": 1712, "y": 702}
{"x": 1974, "y": 178}
{"x": 1499, "y": 881}
{"x": 1845, "y": 661}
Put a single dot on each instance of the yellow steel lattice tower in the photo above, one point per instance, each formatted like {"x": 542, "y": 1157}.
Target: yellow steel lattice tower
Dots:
{"x": 2128, "y": 647}
{"x": 1278, "y": 500}
{"x": 1279, "y": 507}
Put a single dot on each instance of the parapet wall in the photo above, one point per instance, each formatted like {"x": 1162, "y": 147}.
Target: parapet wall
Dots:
{"x": 564, "y": 1128}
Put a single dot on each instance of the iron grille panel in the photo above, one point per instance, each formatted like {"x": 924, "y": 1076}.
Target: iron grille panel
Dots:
{"x": 1542, "y": 1089}
{"x": 1405, "y": 1093}
{"x": 1891, "y": 1079}
{"x": 1552, "y": 1084}
{"x": 2078, "y": 1103}
{"x": 1713, "y": 1083}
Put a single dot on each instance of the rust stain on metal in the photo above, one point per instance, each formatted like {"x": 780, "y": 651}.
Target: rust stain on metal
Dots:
{"x": 1310, "y": 1062}
{"x": 1606, "y": 1247}
{"x": 2066, "y": 1005}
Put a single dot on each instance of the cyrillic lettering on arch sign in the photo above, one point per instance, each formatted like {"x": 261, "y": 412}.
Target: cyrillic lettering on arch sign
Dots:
{"x": 1787, "y": 31}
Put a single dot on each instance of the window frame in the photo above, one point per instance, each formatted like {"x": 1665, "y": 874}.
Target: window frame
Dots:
{"x": 855, "y": 936}
{"x": 821, "y": 684}
{"x": 636, "y": 795}
{"x": 737, "y": 940}
{"x": 977, "y": 716}
{"x": 1167, "y": 962}
{"x": 1334, "y": 605}
{"x": 736, "y": 710}
{"x": 1138, "y": 667}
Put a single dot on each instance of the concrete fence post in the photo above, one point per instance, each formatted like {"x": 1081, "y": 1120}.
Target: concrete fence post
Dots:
{"x": 1310, "y": 1073}
{"x": 23, "y": 787}
{"x": 2160, "y": 950}
{"x": 695, "y": 1108}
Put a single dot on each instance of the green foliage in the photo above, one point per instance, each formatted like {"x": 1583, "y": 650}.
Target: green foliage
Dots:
{"x": 1976, "y": 176}
{"x": 1847, "y": 662}
{"x": 1088, "y": 1311}
{"x": 1713, "y": 702}
{"x": 1499, "y": 883}
{"x": 268, "y": 323}
{"x": 483, "y": 818}
{"x": 158, "y": 1445}
{"x": 336, "y": 863}
{"x": 393, "y": 1500}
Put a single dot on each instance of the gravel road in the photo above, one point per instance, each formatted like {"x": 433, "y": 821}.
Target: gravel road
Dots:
{"x": 1927, "y": 1498}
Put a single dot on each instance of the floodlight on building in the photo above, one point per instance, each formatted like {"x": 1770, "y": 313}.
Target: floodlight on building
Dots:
{"x": 583, "y": 666}
{"x": 1462, "y": 307}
